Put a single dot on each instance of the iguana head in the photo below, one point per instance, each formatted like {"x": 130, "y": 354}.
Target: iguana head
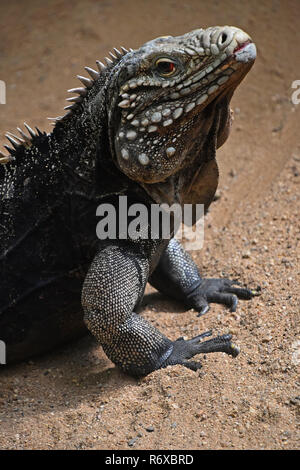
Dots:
{"x": 163, "y": 93}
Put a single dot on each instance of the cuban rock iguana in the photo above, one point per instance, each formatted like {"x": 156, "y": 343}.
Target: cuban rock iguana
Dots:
{"x": 146, "y": 125}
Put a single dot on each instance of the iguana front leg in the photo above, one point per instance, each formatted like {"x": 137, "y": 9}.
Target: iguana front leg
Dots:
{"x": 113, "y": 287}
{"x": 178, "y": 276}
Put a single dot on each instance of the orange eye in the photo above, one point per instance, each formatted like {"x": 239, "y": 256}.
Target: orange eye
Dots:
{"x": 165, "y": 67}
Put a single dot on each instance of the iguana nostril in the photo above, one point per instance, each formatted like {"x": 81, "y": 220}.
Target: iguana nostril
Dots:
{"x": 223, "y": 38}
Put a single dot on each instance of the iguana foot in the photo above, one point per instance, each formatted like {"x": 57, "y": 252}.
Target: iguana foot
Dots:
{"x": 221, "y": 291}
{"x": 186, "y": 349}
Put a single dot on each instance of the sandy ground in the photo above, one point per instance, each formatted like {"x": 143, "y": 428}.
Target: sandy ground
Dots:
{"x": 75, "y": 398}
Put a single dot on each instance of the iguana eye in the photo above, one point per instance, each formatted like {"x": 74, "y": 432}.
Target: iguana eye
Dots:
{"x": 165, "y": 67}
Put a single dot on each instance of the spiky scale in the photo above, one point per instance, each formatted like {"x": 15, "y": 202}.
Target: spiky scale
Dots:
{"x": 114, "y": 58}
{"x": 14, "y": 143}
{"x": 101, "y": 66}
{"x": 118, "y": 53}
{"x": 38, "y": 131}
{"x": 25, "y": 137}
{"x": 109, "y": 61}
{"x": 75, "y": 99}
{"x": 16, "y": 137}
{"x": 71, "y": 106}
{"x": 87, "y": 82}
{"x": 31, "y": 131}
{"x": 9, "y": 149}
{"x": 95, "y": 75}
{"x": 80, "y": 91}
{"x": 55, "y": 119}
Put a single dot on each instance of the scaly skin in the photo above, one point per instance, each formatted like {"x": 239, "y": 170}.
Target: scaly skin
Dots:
{"x": 147, "y": 125}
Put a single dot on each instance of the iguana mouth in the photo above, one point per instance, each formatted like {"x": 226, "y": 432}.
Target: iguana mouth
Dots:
{"x": 242, "y": 46}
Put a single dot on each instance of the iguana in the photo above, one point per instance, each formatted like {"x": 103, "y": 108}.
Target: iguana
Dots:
{"x": 145, "y": 125}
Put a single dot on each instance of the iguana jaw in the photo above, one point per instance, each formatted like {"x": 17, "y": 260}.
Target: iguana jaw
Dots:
{"x": 159, "y": 114}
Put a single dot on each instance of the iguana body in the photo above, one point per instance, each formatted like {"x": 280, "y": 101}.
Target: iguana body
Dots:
{"x": 147, "y": 126}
